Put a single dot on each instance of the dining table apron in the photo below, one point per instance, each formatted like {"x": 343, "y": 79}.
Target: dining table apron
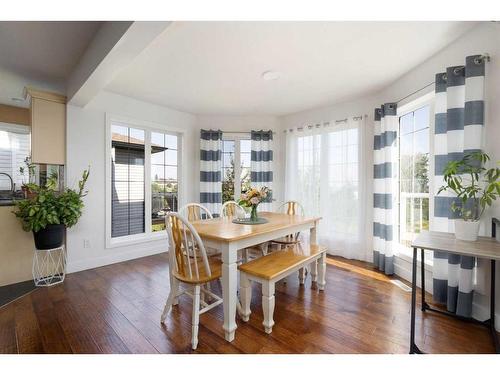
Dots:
{"x": 229, "y": 237}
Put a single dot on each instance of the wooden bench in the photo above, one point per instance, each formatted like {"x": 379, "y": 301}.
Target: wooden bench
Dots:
{"x": 272, "y": 268}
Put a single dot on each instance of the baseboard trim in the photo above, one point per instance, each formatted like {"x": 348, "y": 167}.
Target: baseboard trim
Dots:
{"x": 111, "y": 259}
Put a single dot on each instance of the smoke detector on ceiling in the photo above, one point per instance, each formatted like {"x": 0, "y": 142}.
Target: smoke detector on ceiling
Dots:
{"x": 270, "y": 75}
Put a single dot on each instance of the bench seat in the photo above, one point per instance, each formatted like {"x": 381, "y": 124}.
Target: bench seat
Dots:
{"x": 278, "y": 263}
{"x": 269, "y": 269}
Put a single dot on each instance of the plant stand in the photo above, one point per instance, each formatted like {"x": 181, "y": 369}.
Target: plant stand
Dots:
{"x": 49, "y": 266}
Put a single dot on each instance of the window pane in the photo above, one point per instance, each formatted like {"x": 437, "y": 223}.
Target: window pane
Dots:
{"x": 406, "y": 123}
{"x": 245, "y": 145}
{"x": 157, "y": 156}
{"x": 171, "y": 157}
{"x": 421, "y": 139}
{"x": 164, "y": 174}
{"x": 127, "y": 178}
{"x": 136, "y": 136}
{"x": 422, "y": 118}
{"x": 171, "y": 141}
{"x": 157, "y": 140}
{"x": 245, "y": 160}
{"x": 227, "y": 160}
{"x": 158, "y": 173}
{"x": 414, "y": 181}
{"x": 228, "y": 146}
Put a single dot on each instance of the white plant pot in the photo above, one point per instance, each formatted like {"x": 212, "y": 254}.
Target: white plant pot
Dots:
{"x": 466, "y": 230}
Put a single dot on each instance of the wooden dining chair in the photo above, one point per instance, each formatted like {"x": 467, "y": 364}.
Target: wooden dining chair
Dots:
{"x": 189, "y": 264}
{"x": 291, "y": 208}
{"x": 195, "y": 211}
{"x": 232, "y": 209}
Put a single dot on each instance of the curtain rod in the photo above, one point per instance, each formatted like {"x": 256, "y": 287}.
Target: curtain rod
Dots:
{"x": 239, "y": 132}
{"x": 485, "y": 57}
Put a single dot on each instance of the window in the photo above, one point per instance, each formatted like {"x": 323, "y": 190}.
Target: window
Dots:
{"x": 235, "y": 167}
{"x": 309, "y": 171}
{"x": 326, "y": 174}
{"x": 143, "y": 178}
{"x": 14, "y": 148}
{"x": 127, "y": 176}
{"x": 164, "y": 182}
{"x": 414, "y": 139}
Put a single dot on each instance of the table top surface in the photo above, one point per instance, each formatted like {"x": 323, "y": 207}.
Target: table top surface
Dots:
{"x": 484, "y": 247}
{"x": 223, "y": 229}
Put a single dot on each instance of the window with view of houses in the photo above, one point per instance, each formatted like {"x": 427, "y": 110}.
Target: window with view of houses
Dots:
{"x": 414, "y": 174}
{"x": 142, "y": 159}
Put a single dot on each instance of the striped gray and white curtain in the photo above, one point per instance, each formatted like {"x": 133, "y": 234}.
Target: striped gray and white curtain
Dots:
{"x": 210, "y": 170}
{"x": 459, "y": 124}
{"x": 385, "y": 190}
{"x": 261, "y": 166}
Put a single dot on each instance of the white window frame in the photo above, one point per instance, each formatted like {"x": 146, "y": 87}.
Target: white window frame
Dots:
{"x": 148, "y": 127}
{"x": 402, "y": 251}
{"x": 236, "y": 137}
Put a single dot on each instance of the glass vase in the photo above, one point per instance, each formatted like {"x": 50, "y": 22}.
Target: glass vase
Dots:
{"x": 253, "y": 213}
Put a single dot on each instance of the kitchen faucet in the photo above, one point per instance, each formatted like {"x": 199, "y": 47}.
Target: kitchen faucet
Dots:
{"x": 11, "y": 181}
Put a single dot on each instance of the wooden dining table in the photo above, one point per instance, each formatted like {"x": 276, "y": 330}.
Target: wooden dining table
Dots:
{"x": 228, "y": 238}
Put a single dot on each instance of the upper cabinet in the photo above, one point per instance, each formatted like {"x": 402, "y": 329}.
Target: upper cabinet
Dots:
{"x": 48, "y": 127}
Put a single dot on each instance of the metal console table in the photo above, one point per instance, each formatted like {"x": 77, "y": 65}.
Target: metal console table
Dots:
{"x": 484, "y": 247}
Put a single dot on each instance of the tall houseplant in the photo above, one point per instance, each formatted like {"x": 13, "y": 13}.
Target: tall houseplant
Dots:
{"x": 475, "y": 186}
{"x": 48, "y": 213}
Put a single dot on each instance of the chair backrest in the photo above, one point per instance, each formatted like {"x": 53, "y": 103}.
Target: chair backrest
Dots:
{"x": 292, "y": 208}
{"x": 232, "y": 209}
{"x": 187, "y": 251}
{"x": 195, "y": 211}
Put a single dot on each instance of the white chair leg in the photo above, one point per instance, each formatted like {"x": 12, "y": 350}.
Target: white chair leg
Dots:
{"x": 264, "y": 248}
{"x": 245, "y": 296}
{"x": 172, "y": 296}
{"x": 195, "y": 317}
{"x": 208, "y": 296}
{"x": 322, "y": 272}
{"x": 268, "y": 305}
{"x": 302, "y": 276}
{"x": 314, "y": 271}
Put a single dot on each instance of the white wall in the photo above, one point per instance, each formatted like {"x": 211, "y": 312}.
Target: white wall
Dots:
{"x": 483, "y": 38}
{"x": 86, "y": 147}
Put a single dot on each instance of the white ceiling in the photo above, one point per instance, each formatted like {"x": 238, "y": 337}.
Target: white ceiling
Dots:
{"x": 44, "y": 50}
{"x": 216, "y": 67}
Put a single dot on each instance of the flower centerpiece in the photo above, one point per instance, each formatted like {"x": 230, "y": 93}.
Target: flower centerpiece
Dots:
{"x": 252, "y": 198}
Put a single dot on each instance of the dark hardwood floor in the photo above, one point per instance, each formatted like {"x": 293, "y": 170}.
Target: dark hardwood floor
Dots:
{"x": 116, "y": 309}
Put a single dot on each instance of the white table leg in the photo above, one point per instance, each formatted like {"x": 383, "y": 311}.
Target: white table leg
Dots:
{"x": 314, "y": 271}
{"x": 229, "y": 289}
{"x": 245, "y": 296}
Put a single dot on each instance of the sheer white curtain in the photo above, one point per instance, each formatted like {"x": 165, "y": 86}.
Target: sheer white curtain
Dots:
{"x": 326, "y": 173}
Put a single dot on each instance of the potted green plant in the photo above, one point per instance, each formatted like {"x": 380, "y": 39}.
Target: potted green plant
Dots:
{"x": 475, "y": 186}
{"x": 47, "y": 213}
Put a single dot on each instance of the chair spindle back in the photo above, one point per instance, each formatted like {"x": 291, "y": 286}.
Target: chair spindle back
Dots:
{"x": 195, "y": 211}
{"x": 232, "y": 209}
{"x": 187, "y": 251}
